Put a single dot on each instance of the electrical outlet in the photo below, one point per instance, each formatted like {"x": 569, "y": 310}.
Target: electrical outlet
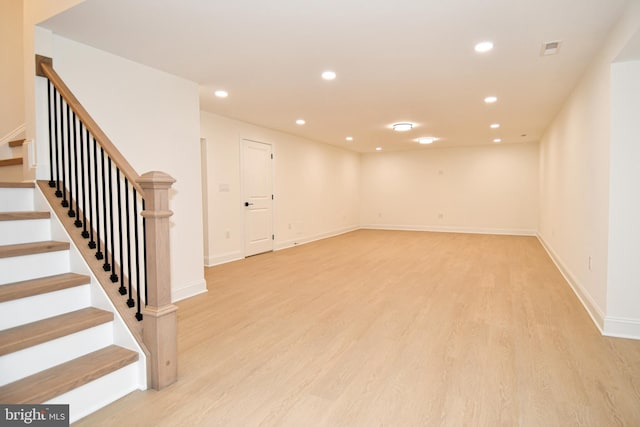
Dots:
{"x": 589, "y": 262}
{"x": 227, "y": 235}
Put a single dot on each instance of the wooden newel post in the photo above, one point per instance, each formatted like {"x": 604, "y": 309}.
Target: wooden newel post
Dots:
{"x": 159, "y": 327}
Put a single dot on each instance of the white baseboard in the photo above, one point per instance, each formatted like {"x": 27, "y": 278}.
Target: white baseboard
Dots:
{"x": 302, "y": 240}
{"x": 594, "y": 311}
{"x": 190, "y": 290}
{"x": 444, "y": 229}
{"x": 222, "y": 259}
{"x": 622, "y": 327}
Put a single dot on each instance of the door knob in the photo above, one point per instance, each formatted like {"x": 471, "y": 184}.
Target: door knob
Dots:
{"x": 248, "y": 203}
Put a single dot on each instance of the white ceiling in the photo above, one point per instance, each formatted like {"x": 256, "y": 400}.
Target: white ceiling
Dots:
{"x": 396, "y": 60}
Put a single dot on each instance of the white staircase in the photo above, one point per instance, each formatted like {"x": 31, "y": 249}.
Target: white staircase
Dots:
{"x": 61, "y": 340}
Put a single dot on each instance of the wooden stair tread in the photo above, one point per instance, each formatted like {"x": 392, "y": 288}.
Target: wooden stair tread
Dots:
{"x": 42, "y": 285}
{"x": 16, "y": 143}
{"x": 32, "y": 248}
{"x": 19, "y": 216}
{"x": 24, "y": 336}
{"x": 5, "y": 184}
{"x": 11, "y": 162}
{"x": 45, "y": 385}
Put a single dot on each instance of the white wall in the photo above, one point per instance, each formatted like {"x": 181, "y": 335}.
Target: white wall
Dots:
{"x": 490, "y": 189}
{"x": 574, "y": 177}
{"x": 11, "y": 58}
{"x": 153, "y": 119}
{"x": 34, "y": 12}
{"x": 316, "y": 187}
{"x": 623, "y": 279}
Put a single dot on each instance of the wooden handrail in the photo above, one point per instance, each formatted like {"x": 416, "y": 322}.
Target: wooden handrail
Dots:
{"x": 44, "y": 68}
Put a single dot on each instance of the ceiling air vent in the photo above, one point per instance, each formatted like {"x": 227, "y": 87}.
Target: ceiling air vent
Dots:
{"x": 550, "y": 48}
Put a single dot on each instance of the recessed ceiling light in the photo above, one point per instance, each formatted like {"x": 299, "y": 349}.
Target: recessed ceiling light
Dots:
{"x": 300, "y": 122}
{"x": 221, "y": 93}
{"x": 402, "y": 127}
{"x": 495, "y": 126}
{"x": 427, "y": 140}
{"x": 378, "y": 148}
{"x": 349, "y": 138}
{"x": 329, "y": 75}
{"x": 483, "y": 47}
{"x": 490, "y": 99}
{"x": 497, "y": 140}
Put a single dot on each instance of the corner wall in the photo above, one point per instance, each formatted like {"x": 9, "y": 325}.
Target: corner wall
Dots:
{"x": 11, "y": 57}
{"x": 316, "y": 187}
{"x": 575, "y": 178}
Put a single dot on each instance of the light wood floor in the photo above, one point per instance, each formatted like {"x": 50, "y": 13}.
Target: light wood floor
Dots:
{"x": 380, "y": 328}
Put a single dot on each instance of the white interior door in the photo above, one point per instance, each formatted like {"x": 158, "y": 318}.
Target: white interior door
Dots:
{"x": 257, "y": 163}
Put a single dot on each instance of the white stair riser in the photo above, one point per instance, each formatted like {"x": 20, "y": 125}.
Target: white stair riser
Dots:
{"x": 16, "y": 269}
{"x": 29, "y": 361}
{"x": 31, "y": 309}
{"x": 97, "y": 394}
{"x": 34, "y": 230}
{"x": 16, "y": 199}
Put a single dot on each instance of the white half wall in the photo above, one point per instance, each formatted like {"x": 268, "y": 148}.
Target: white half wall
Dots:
{"x": 575, "y": 211}
{"x": 153, "y": 119}
{"x": 623, "y": 278}
{"x": 488, "y": 189}
{"x": 316, "y": 187}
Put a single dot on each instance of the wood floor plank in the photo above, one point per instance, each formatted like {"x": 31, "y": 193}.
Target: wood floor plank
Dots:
{"x": 60, "y": 379}
{"x": 21, "y": 216}
{"x": 31, "y": 334}
{"x": 5, "y": 184}
{"x": 392, "y": 328}
{"x": 28, "y": 288}
{"x": 22, "y": 249}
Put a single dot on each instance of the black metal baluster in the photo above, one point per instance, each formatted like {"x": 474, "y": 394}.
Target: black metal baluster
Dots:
{"x": 106, "y": 265}
{"x": 83, "y": 186}
{"x": 76, "y": 180}
{"x": 64, "y": 203}
{"x": 87, "y": 216}
{"x": 58, "y": 126}
{"x": 71, "y": 155}
{"x": 123, "y": 291}
{"x": 95, "y": 211}
{"x": 137, "y": 252}
{"x": 100, "y": 255}
{"x": 114, "y": 276}
{"x": 52, "y": 137}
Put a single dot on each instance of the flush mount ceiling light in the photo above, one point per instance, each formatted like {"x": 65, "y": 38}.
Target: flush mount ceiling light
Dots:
{"x": 221, "y": 93}
{"x": 300, "y": 122}
{"x": 490, "y": 99}
{"x": 349, "y": 138}
{"x": 329, "y": 75}
{"x": 427, "y": 140}
{"x": 497, "y": 140}
{"x": 495, "y": 126}
{"x": 402, "y": 127}
{"x": 378, "y": 148}
{"x": 483, "y": 47}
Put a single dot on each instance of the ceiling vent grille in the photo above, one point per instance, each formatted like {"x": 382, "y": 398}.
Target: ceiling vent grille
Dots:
{"x": 550, "y": 48}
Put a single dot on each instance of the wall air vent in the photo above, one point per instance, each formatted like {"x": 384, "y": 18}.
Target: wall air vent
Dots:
{"x": 550, "y": 48}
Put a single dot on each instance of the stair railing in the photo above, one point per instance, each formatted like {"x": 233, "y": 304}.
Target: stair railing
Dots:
{"x": 124, "y": 218}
